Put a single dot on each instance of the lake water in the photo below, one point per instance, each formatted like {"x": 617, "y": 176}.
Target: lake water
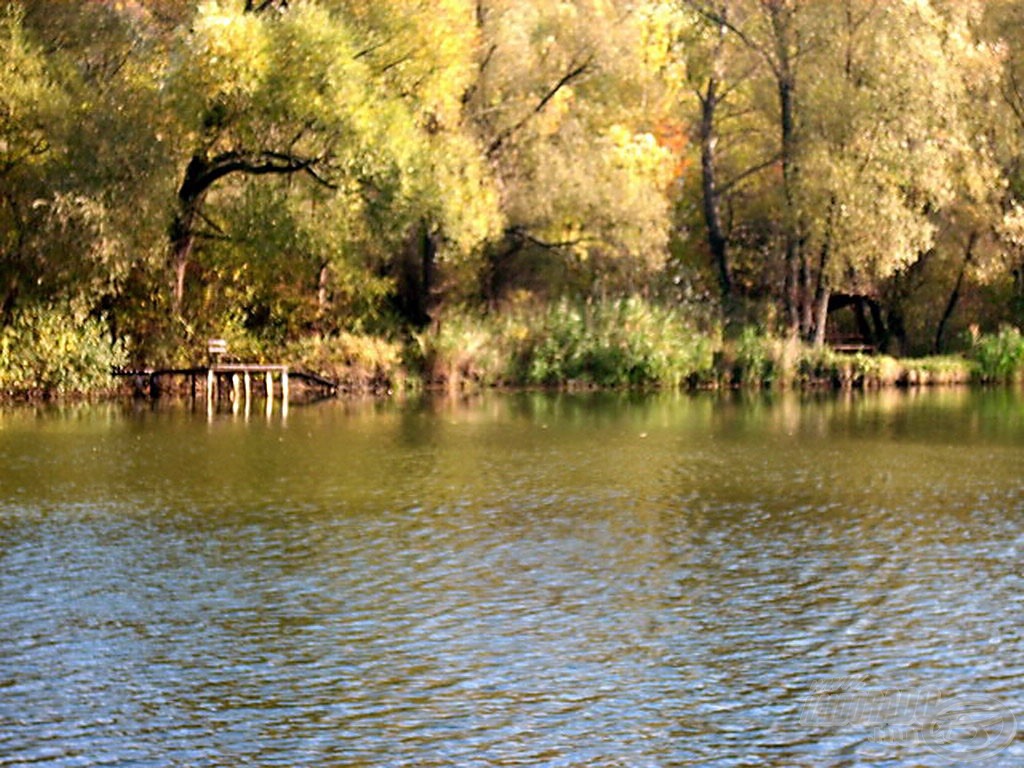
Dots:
{"x": 528, "y": 579}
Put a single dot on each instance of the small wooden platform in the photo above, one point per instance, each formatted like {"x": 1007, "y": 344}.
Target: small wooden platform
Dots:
{"x": 236, "y": 381}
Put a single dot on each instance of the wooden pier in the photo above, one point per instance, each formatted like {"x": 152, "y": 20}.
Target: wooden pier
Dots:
{"x": 231, "y": 382}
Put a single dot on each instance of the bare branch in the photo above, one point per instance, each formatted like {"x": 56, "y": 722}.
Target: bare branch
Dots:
{"x": 574, "y": 73}
{"x": 754, "y": 169}
{"x": 257, "y": 6}
{"x": 371, "y": 49}
{"x": 523, "y": 234}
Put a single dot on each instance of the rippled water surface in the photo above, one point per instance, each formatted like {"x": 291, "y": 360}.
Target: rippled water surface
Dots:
{"x": 519, "y": 580}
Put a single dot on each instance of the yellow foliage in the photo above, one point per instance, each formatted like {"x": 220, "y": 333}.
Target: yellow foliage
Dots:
{"x": 229, "y": 50}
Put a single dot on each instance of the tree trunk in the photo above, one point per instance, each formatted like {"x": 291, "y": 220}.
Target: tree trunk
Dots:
{"x": 9, "y": 301}
{"x": 822, "y": 295}
{"x": 821, "y": 312}
{"x": 879, "y": 332}
{"x": 954, "y": 296}
{"x": 416, "y": 296}
{"x": 323, "y": 282}
{"x": 823, "y": 288}
{"x": 793, "y": 238}
{"x": 807, "y": 299}
{"x": 717, "y": 242}
{"x": 14, "y": 270}
{"x": 183, "y": 229}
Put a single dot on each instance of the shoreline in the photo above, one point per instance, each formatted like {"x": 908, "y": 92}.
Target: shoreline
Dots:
{"x": 846, "y": 373}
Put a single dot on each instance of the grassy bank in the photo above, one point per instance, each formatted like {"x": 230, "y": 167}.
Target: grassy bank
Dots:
{"x": 627, "y": 343}
{"x": 631, "y": 343}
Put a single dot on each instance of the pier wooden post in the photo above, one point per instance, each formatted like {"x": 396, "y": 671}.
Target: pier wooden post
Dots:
{"x": 232, "y": 381}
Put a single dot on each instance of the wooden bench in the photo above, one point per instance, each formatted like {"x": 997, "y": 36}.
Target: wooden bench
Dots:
{"x": 216, "y": 349}
{"x": 851, "y": 345}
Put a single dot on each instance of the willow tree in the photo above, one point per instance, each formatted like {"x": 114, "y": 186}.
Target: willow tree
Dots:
{"x": 867, "y": 102}
{"x": 81, "y": 161}
{"x": 349, "y": 112}
{"x": 29, "y": 100}
{"x": 567, "y": 105}
{"x": 428, "y": 54}
{"x": 1002, "y": 29}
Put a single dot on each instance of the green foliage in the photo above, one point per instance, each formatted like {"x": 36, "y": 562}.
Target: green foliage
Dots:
{"x": 27, "y": 95}
{"x": 462, "y": 350}
{"x": 52, "y": 351}
{"x": 757, "y": 359}
{"x": 566, "y": 107}
{"x": 358, "y": 362}
{"x": 335, "y": 165}
{"x": 623, "y": 343}
{"x": 999, "y": 357}
{"x": 937, "y": 370}
{"x": 823, "y": 367}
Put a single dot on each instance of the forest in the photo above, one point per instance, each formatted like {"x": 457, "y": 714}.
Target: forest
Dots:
{"x": 606, "y": 192}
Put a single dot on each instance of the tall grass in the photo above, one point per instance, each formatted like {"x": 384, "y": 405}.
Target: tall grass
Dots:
{"x": 358, "y": 362}
{"x": 635, "y": 343}
{"x": 623, "y": 343}
{"x": 756, "y": 359}
{"x": 999, "y": 357}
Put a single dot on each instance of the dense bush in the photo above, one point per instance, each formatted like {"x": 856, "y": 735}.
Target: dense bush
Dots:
{"x": 999, "y": 357}
{"x": 356, "y": 362}
{"x": 624, "y": 343}
{"x": 52, "y": 351}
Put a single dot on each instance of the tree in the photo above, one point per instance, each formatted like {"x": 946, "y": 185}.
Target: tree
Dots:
{"x": 312, "y": 95}
{"x": 868, "y": 104}
{"x": 428, "y": 54}
{"x": 29, "y": 103}
{"x": 567, "y": 104}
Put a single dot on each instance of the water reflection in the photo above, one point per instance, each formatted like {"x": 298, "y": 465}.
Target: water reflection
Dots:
{"x": 591, "y": 580}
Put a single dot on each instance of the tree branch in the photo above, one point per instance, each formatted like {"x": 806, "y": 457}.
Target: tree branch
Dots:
{"x": 202, "y": 174}
{"x": 575, "y": 72}
{"x": 257, "y": 6}
{"x": 718, "y": 16}
{"x": 725, "y": 188}
{"x": 367, "y": 51}
{"x": 523, "y": 234}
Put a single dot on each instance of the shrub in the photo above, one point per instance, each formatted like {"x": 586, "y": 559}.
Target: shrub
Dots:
{"x": 624, "y": 343}
{"x": 999, "y": 357}
{"x": 355, "y": 361}
{"x": 756, "y": 356}
{"x": 461, "y": 350}
{"x": 53, "y": 351}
